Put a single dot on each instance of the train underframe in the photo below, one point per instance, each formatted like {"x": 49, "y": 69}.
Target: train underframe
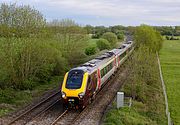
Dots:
{"x": 75, "y": 103}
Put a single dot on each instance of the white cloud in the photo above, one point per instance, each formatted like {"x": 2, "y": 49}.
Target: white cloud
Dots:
{"x": 164, "y": 11}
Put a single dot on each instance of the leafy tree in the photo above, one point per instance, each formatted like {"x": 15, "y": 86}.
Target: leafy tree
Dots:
{"x": 90, "y": 50}
{"x": 149, "y": 37}
{"x": 117, "y": 29}
{"x": 120, "y": 36}
{"x": 20, "y": 21}
{"x": 99, "y": 31}
{"x": 103, "y": 44}
{"x": 27, "y": 62}
{"x": 167, "y": 38}
{"x": 111, "y": 37}
{"x": 72, "y": 46}
{"x": 89, "y": 29}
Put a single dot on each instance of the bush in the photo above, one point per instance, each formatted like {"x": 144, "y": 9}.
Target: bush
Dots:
{"x": 20, "y": 21}
{"x": 27, "y": 62}
{"x": 111, "y": 37}
{"x": 147, "y": 36}
{"x": 103, "y": 44}
{"x": 90, "y": 50}
{"x": 167, "y": 38}
{"x": 120, "y": 36}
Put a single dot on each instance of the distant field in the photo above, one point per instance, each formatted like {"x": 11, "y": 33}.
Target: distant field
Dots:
{"x": 170, "y": 62}
{"x": 92, "y": 42}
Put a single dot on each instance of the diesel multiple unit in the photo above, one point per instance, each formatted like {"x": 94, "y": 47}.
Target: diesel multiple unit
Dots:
{"x": 81, "y": 84}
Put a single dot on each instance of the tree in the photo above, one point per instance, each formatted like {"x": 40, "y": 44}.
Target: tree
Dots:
{"x": 90, "y": 50}
{"x": 103, "y": 44}
{"x": 120, "y": 36}
{"x": 147, "y": 36}
{"x": 89, "y": 29}
{"x": 26, "y": 62}
{"x": 20, "y": 21}
{"x": 111, "y": 37}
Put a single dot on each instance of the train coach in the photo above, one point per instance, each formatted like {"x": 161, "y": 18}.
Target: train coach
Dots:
{"x": 81, "y": 84}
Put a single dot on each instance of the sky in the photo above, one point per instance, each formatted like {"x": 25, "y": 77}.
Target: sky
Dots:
{"x": 109, "y": 12}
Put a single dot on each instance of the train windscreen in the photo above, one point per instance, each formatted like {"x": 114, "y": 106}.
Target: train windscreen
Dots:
{"x": 74, "y": 80}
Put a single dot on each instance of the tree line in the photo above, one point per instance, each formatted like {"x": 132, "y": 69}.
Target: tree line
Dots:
{"x": 34, "y": 50}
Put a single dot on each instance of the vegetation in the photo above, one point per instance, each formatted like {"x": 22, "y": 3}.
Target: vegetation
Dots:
{"x": 170, "y": 63}
{"x": 143, "y": 84}
{"x": 98, "y": 31}
{"x": 120, "y": 36}
{"x": 168, "y": 30}
{"x": 147, "y": 36}
{"x": 20, "y": 21}
{"x": 103, "y": 44}
{"x": 34, "y": 53}
{"x": 111, "y": 38}
{"x": 90, "y": 50}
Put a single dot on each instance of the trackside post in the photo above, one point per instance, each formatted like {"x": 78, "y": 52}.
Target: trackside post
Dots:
{"x": 120, "y": 99}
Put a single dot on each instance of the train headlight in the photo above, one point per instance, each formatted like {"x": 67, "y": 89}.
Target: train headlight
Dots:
{"x": 81, "y": 95}
{"x": 63, "y": 94}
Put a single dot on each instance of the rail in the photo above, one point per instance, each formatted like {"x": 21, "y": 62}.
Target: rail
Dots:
{"x": 59, "y": 117}
{"x": 32, "y": 108}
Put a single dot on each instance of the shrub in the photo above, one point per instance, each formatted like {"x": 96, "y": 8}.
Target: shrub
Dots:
{"x": 120, "y": 36}
{"x": 167, "y": 38}
{"x": 111, "y": 37}
{"x": 103, "y": 44}
{"x": 20, "y": 21}
{"x": 27, "y": 62}
{"x": 147, "y": 36}
{"x": 90, "y": 50}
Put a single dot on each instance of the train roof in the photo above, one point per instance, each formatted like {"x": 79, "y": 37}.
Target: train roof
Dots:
{"x": 91, "y": 65}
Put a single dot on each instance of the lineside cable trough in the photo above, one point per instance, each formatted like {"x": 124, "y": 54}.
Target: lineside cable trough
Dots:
{"x": 123, "y": 101}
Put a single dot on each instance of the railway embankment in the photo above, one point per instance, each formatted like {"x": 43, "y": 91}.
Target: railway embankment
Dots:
{"x": 143, "y": 84}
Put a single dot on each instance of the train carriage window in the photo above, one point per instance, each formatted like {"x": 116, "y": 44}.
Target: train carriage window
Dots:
{"x": 101, "y": 72}
{"x": 122, "y": 55}
{"x": 104, "y": 70}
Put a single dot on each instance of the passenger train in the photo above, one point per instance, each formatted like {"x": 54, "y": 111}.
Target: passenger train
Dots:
{"x": 81, "y": 84}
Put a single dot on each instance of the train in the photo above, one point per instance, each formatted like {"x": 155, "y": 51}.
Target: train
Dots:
{"x": 81, "y": 84}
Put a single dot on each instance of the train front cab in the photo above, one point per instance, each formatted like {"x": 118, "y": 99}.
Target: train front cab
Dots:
{"x": 78, "y": 88}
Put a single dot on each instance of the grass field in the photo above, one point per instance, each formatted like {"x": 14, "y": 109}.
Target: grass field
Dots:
{"x": 92, "y": 42}
{"x": 170, "y": 62}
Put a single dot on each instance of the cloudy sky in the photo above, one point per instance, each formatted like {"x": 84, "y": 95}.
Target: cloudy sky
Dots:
{"x": 109, "y": 12}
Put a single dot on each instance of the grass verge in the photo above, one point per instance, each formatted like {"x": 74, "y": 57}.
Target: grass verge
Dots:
{"x": 12, "y": 99}
{"x": 144, "y": 86}
{"x": 170, "y": 63}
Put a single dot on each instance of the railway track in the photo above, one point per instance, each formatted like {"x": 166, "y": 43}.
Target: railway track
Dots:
{"x": 37, "y": 109}
{"x": 70, "y": 117}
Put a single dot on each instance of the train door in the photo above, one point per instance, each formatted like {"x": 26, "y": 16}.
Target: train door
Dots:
{"x": 94, "y": 77}
{"x": 99, "y": 79}
{"x": 91, "y": 86}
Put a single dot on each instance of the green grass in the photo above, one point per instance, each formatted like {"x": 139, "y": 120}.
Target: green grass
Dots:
{"x": 129, "y": 116}
{"x": 92, "y": 42}
{"x": 170, "y": 62}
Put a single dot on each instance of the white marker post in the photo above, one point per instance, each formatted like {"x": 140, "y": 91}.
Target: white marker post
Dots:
{"x": 120, "y": 99}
